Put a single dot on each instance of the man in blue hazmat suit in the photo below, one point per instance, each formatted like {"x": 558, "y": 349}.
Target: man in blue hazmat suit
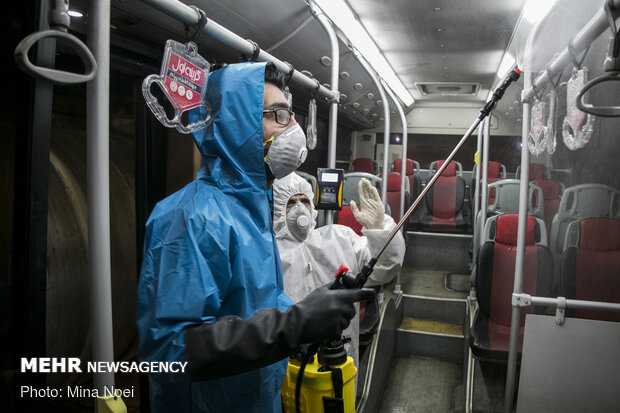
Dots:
{"x": 210, "y": 289}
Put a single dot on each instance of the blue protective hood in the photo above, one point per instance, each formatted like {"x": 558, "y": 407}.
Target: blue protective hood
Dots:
{"x": 232, "y": 146}
{"x": 210, "y": 251}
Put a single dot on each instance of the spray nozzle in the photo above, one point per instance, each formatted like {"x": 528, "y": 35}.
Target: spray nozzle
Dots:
{"x": 499, "y": 92}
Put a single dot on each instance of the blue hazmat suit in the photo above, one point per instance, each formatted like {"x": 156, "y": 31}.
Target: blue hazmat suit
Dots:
{"x": 210, "y": 252}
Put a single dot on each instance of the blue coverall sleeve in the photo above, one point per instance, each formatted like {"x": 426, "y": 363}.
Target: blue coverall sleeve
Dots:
{"x": 181, "y": 284}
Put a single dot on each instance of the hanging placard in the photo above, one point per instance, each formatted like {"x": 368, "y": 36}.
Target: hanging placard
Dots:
{"x": 183, "y": 80}
{"x": 578, "y": 126}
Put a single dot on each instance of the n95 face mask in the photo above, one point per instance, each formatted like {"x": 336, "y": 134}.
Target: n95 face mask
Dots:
{"x": 299, "y": 221}
{"x": 287, "y": 151}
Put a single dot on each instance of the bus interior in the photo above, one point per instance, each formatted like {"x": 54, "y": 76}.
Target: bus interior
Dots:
{"x": 508, "y": 298}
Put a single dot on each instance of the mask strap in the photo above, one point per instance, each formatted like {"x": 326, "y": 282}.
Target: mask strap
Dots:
{"x": 268, "y": 140}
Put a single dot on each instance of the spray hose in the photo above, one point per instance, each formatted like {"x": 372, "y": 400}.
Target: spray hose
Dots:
{"x": 344, "y": 279}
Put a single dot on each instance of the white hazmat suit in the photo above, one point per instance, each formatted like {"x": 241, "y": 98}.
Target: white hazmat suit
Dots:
{"x": 312, "y": 262}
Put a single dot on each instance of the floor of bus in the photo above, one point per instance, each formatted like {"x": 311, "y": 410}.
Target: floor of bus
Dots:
{"x": 432, "y": 384}
{"x": 434, "y": 283}
{"x": 421, "y": 383}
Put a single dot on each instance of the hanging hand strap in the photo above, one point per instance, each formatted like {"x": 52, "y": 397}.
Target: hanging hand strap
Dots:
{"x": 59, "y": 20}
{"x": 612, "y": 68}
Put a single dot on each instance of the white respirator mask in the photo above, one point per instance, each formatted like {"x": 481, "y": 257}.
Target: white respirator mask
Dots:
{"x": 287, "y": 151}
{"x": 299, "y": 221}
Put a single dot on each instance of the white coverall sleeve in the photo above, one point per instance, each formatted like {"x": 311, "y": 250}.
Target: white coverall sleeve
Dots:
{"x": 391, "y": 261}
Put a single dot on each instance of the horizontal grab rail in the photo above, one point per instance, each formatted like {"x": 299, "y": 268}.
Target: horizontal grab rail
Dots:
{"x": 526, "y": 300}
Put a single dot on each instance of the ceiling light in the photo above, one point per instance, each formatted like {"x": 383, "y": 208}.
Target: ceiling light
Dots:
{"x": 75, "y": 13}
{"x": 534, "y": 10}
{"x": 343, "y": 17}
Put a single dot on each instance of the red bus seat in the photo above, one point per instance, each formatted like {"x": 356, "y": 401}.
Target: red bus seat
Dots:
{"x": 444, "y": 202}
{"x": 590, "y": 268}
{"x": 494, "y": 281}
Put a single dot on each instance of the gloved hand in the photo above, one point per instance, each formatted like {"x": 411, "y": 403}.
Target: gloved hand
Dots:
{"x": 372, "y": 212}
{"x": 232, "y": 345}
{"x": 325, "y": 313}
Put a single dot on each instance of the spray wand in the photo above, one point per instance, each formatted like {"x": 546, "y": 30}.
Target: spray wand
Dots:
{"x": 346, "y": 280}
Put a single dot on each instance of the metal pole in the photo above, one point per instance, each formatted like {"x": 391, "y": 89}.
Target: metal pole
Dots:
{"x": 185, "y": 14}
{"x": 515, "y": 322}
{"x": 520, "y": 255}
{"x": 386, "y": 116}
{"x": 403, "y": 120}
{"x": 333, "y": 106}
{"x": 98, "y": 106}
{"x": 403, "y": 170}
{"x": 477, "y": 229}
{"x": 486, "y": 137}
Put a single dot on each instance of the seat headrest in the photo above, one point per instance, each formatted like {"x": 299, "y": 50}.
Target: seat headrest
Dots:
{"x": 507, "y": 229}
{"x": 398, "y": 166}
{"x": 393, "y": 182}
{"x": 363, "y": 164}
{"x": 537, "y": 171}
{"x": 551, "y": 189}
{"x": 450, "y": 169}
{"x": 601, "y": 234}
{"x": 494, "y": 170}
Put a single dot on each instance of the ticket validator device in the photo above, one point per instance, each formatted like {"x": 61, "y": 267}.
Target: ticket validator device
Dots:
{"x": 329, "y": 191}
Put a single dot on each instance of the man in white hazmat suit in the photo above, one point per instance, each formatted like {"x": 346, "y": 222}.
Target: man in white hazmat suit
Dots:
{"x": 311, "y": 256}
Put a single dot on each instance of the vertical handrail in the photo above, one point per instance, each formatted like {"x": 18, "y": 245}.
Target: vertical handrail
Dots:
{"x": 520, "y": 254}
{"x": 403, "y": 177}
{"x": 476, "y": 229}
{"x": 484, "y": 186}
{"x": 98, "y": 161}
{"x": 403, "y": 169}
{"x": 333, "y": 106}
{"x": 589, "y": 32}
{"x": 386, "y": 116}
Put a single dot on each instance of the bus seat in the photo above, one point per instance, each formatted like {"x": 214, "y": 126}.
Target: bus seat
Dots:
{"x": 590, "y": 266}
{"x": 367, "y": 165}
{"x": 345, "y": 217}
{"x": 369, "y": 319}
{"x": 582, "y": 201}
{"x": 496, "y": 172}
{"x": 415, "y": 183}
{"x": 506, "y": 201}
{"x": 444, "y": 201}
{"x": 552, "y": 193}
{"x": 537, "y": 171}
{"x": 494, "y": 281}
{"x": 350, "y": 186}
{"x": 393, "y": 194}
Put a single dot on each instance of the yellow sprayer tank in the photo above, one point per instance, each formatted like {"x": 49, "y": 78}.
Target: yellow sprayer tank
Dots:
{"x": 316, "y": 385}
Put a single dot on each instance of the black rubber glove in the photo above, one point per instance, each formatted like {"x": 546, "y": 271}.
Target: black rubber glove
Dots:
{"x": 232, "y": 345}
